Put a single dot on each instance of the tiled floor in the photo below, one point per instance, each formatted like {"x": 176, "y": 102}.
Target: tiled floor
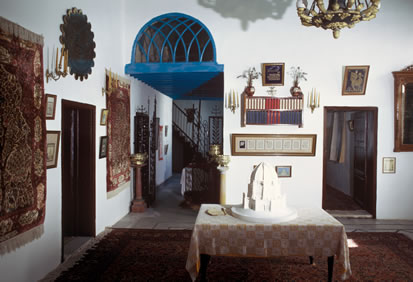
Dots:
{"x": 167, "y": 214}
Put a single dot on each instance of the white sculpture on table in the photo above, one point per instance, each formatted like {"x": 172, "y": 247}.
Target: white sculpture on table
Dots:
{"x": 264, "y": 201}
{"x": 264, "y": 191}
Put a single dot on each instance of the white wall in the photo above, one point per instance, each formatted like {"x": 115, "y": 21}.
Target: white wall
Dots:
{"x": 34, "y": 260}
{"x": 249, "y": 34}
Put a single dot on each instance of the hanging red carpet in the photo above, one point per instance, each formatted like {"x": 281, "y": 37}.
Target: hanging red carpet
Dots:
{"x": 118, "y": 127}
{"x": 22, "y": 136}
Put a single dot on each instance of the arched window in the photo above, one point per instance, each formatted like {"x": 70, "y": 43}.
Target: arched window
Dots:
{"x": 175, "y": 54}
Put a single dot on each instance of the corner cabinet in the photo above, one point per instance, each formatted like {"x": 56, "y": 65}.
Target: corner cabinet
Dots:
{"x": 403, "y": 110}
{"x": 266, "y": 110}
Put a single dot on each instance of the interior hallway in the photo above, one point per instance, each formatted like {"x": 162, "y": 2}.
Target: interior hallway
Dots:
{"x": 167, "y": 214}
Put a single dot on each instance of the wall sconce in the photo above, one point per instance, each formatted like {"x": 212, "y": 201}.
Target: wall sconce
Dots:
{"x": 232, "y": 103}
{"x": 313, "y": 100}
{"x": 114, "y": 81}
{"x": 55, "y": 72}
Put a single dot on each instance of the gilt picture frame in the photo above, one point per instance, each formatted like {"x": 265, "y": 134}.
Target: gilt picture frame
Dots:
{"x": 273, "y": 144}
{"x": 104, "y": 117}
{"x": 272, "y": 74}
{"x": 50, "y": 106}
{"x": 52, "y": 148}
{"x": 355, "y": 80}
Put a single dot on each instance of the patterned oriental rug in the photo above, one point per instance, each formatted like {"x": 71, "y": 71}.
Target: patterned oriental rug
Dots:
{"x": 22, "y": 136}
{"x": 118, "y": 128}
{"x": 160, "y": 255}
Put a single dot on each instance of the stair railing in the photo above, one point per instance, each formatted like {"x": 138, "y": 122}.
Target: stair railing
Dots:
{"x": 194, "y": 131}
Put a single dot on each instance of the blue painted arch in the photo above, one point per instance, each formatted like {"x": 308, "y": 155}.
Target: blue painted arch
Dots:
{"x": 175, "y": 54}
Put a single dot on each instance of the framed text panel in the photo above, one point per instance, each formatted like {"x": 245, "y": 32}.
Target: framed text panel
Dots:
{"x": 273, "y": 144}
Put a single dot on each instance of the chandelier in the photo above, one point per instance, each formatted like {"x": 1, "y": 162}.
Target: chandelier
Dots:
{"x": 339, "y": 14}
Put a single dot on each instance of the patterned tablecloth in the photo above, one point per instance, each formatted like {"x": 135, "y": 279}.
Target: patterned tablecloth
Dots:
{"x": 313, "y": 233}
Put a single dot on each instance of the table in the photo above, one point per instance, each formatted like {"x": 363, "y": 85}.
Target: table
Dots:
{"x": 314, "y": 233}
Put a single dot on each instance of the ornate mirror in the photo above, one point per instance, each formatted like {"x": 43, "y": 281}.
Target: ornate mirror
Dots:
{"x": 77, "y": 38}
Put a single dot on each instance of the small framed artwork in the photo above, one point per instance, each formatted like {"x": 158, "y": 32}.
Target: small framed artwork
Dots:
{"x": 104, "y": 116}
{"x": 389, "y": 165}
{"x": 355, "y": 80}
{"x": 272, "y": 74}
{"x": 166, "y": 149}
{"x": 283, "y": 171}
{"x": 103, "y": 147}
{"x": 166, "y": 131}
{"x": 50, "y": 106}
{"x": 52, "y": 143}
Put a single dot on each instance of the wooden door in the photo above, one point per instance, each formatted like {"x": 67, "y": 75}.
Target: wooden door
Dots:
{"x": 360, "y": 158}
{"x": 78, "y": 169}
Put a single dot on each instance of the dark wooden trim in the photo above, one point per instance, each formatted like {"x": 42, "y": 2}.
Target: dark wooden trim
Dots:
{"x": 373, "y": 110}
{"x": 92, "y": 131}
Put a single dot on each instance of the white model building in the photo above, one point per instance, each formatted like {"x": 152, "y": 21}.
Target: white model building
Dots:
{"x": 264, "y": 191}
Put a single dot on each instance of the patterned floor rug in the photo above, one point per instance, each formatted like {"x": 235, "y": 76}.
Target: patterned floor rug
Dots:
{"x": 160, "y": 255}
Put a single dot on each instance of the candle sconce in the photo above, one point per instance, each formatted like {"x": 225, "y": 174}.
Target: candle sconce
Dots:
{"x": 114, "y": 81}
{"x": 313, "y": 100}
{"x": 232, "y": 102}
{"x": 55, "y": 71}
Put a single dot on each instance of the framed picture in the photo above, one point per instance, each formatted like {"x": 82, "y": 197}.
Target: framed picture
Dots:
{"x": 160, "y": 145}
{"x": 389, "y": 165}
{"x": 272, "y": 74}
{"x": 273, "y": 144}
{"x": 103, "y": 147}
{"x": 104, "y": 117}
{"x": 355, "y": 80}
{"x": 166, "y": 131}
{"x": 50, "y": 106}
{"x": 166, "y": 149}
{"x": 52, "y": 147}
{"x": 283, "y": 171}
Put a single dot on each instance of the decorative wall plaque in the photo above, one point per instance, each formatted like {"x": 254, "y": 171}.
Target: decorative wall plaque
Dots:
{"x": 77, "y": 38}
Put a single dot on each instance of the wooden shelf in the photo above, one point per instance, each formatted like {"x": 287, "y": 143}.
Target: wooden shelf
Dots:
{"x": 264, "y": 110}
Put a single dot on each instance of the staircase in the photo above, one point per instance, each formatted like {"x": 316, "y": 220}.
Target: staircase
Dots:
{"x": 191, "y": 131}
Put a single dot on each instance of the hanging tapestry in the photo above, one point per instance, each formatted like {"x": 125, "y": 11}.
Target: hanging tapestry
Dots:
{"x": 22, "y": 136}
{"x": 118, "y": 127}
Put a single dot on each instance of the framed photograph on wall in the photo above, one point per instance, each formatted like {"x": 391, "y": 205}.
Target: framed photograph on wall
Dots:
{"x": 355, "y": 80}
{"x": 273, "y": 144}
{"x": 50, "y": 106}
{"x": 283, "y": 171}
{"x": 272, "y": 74}
{"x": 104, "y": 116}
{"x": 389, "y": 165}
{"x": 103, "y": 147}
{"x": 52, "y": 147}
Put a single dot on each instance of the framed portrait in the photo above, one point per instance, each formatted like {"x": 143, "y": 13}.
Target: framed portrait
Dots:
{"x": 50, "y": 106}
{"x": 272, "y": 74}
{"x": 166, "y": 149}
{"x": 166, "y": 131}
{"x": 355, "y": 80}
{"x": 104, "y": 117}
{"x": 273, "y": 144}
{"x": 52, "y": 147}
{"x": 389, "y": 165}
{"x": 283, "y": 171}
{"x": 103, "y": 147}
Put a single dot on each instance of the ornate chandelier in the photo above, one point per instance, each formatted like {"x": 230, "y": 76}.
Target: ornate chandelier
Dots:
{"x": 339, "y": 14}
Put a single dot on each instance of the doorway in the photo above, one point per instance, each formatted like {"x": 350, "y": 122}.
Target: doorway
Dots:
{"x": 78, "y": 175}
{"x": 350, "y": 161}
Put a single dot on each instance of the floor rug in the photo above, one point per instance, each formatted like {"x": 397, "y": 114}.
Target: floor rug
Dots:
{"x": 160, "y": 255}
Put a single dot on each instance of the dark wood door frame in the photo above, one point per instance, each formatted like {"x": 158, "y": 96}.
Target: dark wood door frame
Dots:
{"x": 373, "y": 164}
{"x": 85, "y": 112}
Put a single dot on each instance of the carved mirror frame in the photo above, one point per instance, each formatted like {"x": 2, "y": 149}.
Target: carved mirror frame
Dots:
{"x": 77, "y": 38}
